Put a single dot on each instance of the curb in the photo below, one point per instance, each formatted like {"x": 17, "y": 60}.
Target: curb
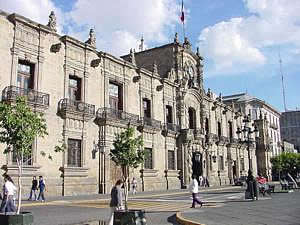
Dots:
{"x": 184, "y": 221}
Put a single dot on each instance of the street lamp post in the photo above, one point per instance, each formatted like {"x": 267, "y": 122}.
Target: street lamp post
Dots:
{"x": 245, "y": 136}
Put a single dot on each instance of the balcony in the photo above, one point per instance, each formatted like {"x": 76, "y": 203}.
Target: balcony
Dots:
{"x": 76, "y": 109}
{"x": 199, "y": 134}
{"x": 187, "y": 135}
{"x": 170, "y": 129}
{"x": 222, "y": 140}
{"x": 150, "y": 124}
{"x": 115, "y": 116}
{"x": 35, "y": 98}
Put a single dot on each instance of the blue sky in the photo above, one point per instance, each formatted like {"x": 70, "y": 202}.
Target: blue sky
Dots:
{"x": 239, "y": 39}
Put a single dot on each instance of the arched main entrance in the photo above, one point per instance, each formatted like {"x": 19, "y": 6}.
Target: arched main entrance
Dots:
{"x": 197, "y": 166}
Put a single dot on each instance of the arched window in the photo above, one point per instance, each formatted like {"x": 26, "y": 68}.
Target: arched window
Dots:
{"x": 219, "y": 129}
{"x": 206, "y": 126}
{"x": 230, "y": 129}
{"x": 192, "y": 118}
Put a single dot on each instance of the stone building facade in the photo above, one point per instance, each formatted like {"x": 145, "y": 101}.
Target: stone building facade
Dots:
{"x": 87, "y": 96}
{"x": 290, "y": 127}
{"x": 267, "y": 118}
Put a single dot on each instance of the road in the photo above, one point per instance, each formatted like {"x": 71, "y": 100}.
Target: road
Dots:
{"x": 160, "y": 208}
{"x": 221, "y": 207}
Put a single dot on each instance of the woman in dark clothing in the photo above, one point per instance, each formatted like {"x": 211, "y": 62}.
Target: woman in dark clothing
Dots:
{"x": 34, "y": 188}
{"x": 116, "y": 201}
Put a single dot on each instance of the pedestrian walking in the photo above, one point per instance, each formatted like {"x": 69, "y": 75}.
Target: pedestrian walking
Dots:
{"x": 116, "y": 202}
{"x": 201, "y": 181}
{"x": 34, "y": 188}
{"x": 42, "y": 188}
{"x": 9, "y": 190}
{"x": 134, "y": 185}
{"x": 194, "y": 190}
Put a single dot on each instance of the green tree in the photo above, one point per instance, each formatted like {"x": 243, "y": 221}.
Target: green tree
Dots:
{"x": 128, "y": 153}
{"x": 19, "y": 126}
{"x": 286, "y": 162}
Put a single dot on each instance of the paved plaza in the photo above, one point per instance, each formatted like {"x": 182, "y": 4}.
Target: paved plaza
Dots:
{"x": 224, "y": 206}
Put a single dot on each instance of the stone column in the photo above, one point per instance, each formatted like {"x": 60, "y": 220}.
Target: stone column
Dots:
{"x": 14, "y": 66}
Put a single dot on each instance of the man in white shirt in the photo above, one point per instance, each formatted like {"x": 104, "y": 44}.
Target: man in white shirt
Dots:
{"x": 9, "y": 189}
{"x": 194, "y": 190}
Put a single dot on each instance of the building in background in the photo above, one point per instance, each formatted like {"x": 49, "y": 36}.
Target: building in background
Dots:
{"x": 288, "y": 147}
{"x": 268, "y": 120}
{"x": 290, "y": 127}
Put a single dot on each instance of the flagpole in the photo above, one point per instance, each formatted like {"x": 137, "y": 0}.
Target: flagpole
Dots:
{"x": 182, "y": 20}
{"x": 183, "y": 28}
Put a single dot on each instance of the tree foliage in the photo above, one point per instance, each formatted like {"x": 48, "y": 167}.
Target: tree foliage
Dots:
{"x": 128, "y": 153}
{"x": 286, "y": 163}
{"x": 19, "y": 126}
{"x": 128, "y": 150}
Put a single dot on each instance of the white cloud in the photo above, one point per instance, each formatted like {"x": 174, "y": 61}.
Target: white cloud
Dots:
{"x": 36, "y": 10}
{"x": 119, "y": 24}
{"x": 240, "y": 42}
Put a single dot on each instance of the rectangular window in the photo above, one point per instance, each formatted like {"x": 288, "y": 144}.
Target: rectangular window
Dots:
{"x": 221, "y": 162}
{"x": 171, "y": 160}
{"x": 74, "y": 88}
{"x": 147, "y": 107}
{"x": 148, "y": 158}
{"x": 219, "y": 129}
{"x": 254, "y": 114}
{"x": 206, "y": 126}
{"x": 115, "y": 96}
{"x": 169, "y": 114}
{"x": 74, "y": 153}
{"x": 27, "y": 160}
{"x": 25, "y": 77}
{"x": 242, "y": 164}
{"x": 230, "y": 130}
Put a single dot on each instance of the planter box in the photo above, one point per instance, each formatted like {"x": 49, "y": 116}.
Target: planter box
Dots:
{"x": 24, "y": 218}
{"x": 130, "y": 217}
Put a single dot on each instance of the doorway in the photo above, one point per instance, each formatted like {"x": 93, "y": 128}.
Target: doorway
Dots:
{"x": 197, "y": 165}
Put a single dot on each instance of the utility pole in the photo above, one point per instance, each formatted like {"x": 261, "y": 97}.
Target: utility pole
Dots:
{"x": 282, "y": 82}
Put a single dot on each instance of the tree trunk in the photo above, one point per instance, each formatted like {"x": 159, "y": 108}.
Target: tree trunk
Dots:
{"x": 19, "y": 185}
{"x": 125, "y": 175}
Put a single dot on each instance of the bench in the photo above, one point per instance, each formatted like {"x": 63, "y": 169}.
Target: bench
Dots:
{"x": 266, "y": 188}
{"x": 286, "y": 186}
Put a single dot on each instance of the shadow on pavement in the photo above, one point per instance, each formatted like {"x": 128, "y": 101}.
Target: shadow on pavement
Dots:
{"x": 222, "y": 192}
{"x": 172, "y": 219}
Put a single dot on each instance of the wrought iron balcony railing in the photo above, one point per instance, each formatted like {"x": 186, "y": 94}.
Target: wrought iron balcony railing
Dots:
{"x": 10, "y": 93}
{"x": 77, "y": 106}
{"x": 199, "y": 133}
{"x": 151, "y": 122}
{"x": 172, "y": 127}
{"x": 109, "y": 113}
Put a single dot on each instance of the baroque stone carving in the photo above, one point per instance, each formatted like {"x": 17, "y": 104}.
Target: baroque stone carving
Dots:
{"x": 176, "y": 38}
{"x": 92, "y": 38}
{"x": 52, "y": 21}
{"x": 132, "y": 57}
